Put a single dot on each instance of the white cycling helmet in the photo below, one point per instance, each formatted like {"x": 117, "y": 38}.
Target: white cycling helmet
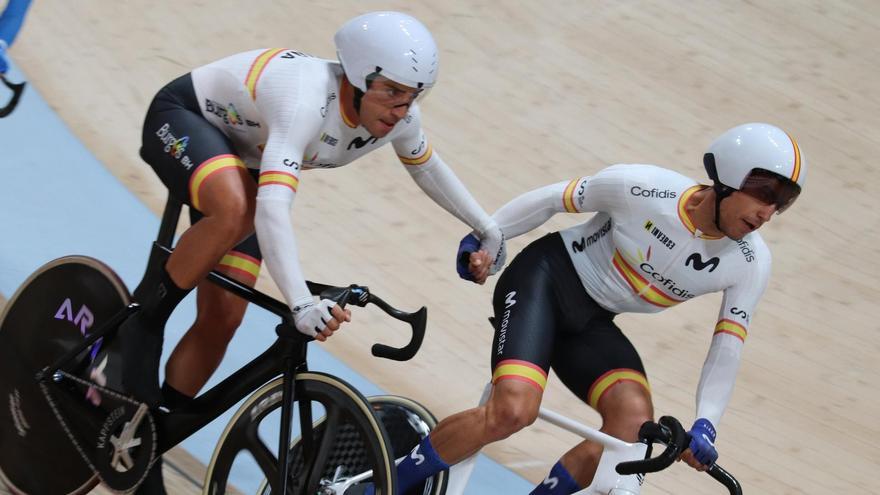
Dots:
{"x": 739, "y": 156}
{"x": 393, "y": 44}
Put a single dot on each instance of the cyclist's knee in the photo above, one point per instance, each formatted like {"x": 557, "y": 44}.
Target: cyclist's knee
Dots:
{"x": 626, "y": 406}
{"x": 510, "y": 410}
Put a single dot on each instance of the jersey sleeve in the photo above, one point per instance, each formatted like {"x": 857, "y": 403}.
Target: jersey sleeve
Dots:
{"x": 284, "y": 102}
{"x": 602, "y": 191}
{"x": 437, "y": 179}
{"x": 722, "y": 361}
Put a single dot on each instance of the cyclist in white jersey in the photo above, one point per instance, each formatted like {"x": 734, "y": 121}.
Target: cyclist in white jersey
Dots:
{"x": 657, "y": 239}
{"x": 232, "y": 138}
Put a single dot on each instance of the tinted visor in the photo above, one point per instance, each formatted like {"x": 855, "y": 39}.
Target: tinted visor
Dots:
{"x": 392, "y": 94}
{"x": 770, "y": 188}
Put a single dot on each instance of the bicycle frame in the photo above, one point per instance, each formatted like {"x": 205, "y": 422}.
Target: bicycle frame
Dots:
{"x": 286, "y": 356}
{"x": 460, "y": 473}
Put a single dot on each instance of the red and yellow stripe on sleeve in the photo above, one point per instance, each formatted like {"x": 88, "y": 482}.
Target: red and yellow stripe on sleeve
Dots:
{"x": 257, "y": 68}
{"x": 523, "y": 371}
{"x": 611, "y": 378}
{"x": 208, "y": 168}
{"x": 424, "y": 157}
{"x": 568, "y": 196}
{"x": 280, "y": 178}
{"x": 731, "y": 327}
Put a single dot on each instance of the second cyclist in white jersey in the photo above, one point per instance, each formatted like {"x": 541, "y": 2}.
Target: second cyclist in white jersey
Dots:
{"x": 232, "y": 139}
{"x": 657, "y": 239}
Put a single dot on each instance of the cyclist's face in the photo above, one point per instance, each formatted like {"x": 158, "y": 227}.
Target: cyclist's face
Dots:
{"x": 384, "y": 104}
{"x": 742, "y": 213}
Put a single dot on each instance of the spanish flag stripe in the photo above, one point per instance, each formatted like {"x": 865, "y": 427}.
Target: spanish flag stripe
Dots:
{"x": 519, "y": 379}
{"x": 419, "y": 160}
{"x": 239, "y": 274}
{"x": 796, "y": 172}
{"x": 527, "y": 364}
{"x": 238, "y": 261}
{"x": 280, "y": 178}
{"x": 637, "y": 283}
{"x": 568, "y": 196}
{"x": 257, "y": 68}
{"x": 208, "y": 168}
{"x": 611, "y": 378}
{"x": 528, "y": 371}
{"x": 731, "y": 327}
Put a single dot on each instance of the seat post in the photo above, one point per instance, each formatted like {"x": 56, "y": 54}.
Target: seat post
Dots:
{"x": 165, "y": 240}
{"x": 170, "y": 217}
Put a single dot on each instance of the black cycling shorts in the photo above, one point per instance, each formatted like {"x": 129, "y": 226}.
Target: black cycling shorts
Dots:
{"x": 544, "y": 318}
{"x": 184, "y": 149}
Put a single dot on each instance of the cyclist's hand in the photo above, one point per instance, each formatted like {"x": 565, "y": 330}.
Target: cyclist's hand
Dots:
{"x": 321, "y": 319}
{"x": 701, "y": 453}
{"x": 495, "y": 245}
{"x": 474, "y": 260}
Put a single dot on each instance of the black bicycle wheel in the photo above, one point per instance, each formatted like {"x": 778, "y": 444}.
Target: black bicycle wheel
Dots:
{"x": 407, "y": 422}
{"x": 49, "y": 315}
{"x": 346, "y": 438}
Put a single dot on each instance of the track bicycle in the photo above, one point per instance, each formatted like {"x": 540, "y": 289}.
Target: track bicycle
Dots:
{"x": 66, "y": 424}
{"x": 667, "y": 431}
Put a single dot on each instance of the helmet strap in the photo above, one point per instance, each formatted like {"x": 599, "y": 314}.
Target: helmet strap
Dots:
{"x": 358, "y": 95}
{"x": 721, "y": 192}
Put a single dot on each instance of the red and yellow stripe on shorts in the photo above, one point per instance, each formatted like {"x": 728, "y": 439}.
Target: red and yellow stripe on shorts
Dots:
{"x": 208, "y": 168}
{"x": 240, "y": 266}
{"x": 611, "y": 378}
{"x": 523, "y": 371}
{"x": 731, "y": 327}
{"x": 424, "y": 157}
{"x": 257, "y": 68}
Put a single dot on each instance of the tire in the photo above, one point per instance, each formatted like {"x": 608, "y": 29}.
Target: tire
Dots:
{"x": 357, "y": 441}
{"x": 407, "y": 422}
{"x": 48, "y": 316}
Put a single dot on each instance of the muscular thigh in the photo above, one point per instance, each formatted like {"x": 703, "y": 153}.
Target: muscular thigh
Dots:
{"x": 181, "y": 146}
{"x": 591, "y": 360}
{"x": 185, "y": 150}
{"x": 525, "y": 320}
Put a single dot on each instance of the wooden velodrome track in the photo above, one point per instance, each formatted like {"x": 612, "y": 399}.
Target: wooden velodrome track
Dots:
{"x": 536, "y": 92}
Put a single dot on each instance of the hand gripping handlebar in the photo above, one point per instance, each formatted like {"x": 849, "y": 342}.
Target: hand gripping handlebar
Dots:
{"x": 670, "y": 432}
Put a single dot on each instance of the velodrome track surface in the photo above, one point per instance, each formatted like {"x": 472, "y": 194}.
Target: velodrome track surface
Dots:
{"x": 533, "y": 93}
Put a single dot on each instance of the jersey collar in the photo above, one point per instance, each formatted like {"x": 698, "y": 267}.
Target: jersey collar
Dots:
{"x": 685, "y": 217}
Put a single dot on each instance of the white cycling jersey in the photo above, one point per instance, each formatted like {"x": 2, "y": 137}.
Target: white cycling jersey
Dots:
{"x": 282, "y": 111}
{"x": 642, "y": 253}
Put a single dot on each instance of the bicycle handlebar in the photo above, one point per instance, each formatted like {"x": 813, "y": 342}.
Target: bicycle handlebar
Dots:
{"x": 361, "y": 296}
{"x": 670, "y": 432}
{"x": 17, "y": 89}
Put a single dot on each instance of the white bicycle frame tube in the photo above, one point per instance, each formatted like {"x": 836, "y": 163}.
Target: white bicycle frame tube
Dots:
{"x": 460, "y": 473}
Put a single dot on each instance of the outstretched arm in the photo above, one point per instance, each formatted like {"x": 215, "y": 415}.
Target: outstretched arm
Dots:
{"x": 529, "y": 211}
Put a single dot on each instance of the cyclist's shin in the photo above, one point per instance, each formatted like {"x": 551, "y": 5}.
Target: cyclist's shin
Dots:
{"x": 607, "y": 481}
{"x": 141, "y": 335}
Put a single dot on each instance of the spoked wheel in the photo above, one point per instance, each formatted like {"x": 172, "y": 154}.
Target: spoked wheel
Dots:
{"x": 340, "y": 436}
{"x": 51, "y": 313}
